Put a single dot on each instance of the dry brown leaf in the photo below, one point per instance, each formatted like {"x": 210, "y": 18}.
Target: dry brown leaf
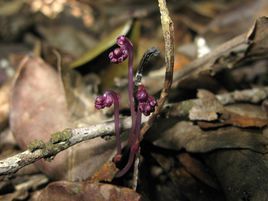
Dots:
{"x": 38, "y": 108}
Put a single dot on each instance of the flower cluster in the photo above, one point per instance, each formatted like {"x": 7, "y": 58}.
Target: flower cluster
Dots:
{"x": 146, "y": 103}
{"x": 118, "y": 55}
{"x": 106, "y": 100}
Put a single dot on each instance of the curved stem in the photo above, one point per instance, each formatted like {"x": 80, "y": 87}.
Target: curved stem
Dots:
{"x": 130, "y": 80}
{"x": 135, "y": 142}
{"x": 116, "y": 121}
{"x": 129, "y": 47}
{"x": 128, "y": 165}
{"x": 136, "y": 130}
{"x": 137, "y": 126}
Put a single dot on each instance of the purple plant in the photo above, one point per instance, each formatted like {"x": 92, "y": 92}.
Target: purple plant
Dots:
{"x": 146, "y": 105}
{"x": 106, "y": 100}
{"x": 134, "y": 145}
{"x": 145, "y": 102}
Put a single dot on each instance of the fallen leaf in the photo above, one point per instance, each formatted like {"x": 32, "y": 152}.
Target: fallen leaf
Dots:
{"x": 38, "y": 108}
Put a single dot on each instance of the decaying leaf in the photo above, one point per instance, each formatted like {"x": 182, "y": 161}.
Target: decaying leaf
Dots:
{"x": 84, "y": 191}
{"x": 38, "y": 108}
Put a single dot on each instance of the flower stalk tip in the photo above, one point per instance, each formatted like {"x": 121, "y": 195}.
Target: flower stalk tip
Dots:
{"x": 145, "y": 103}
{"x": 107, "y": 100}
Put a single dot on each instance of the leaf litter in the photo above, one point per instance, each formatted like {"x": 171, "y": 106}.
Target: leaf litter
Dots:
{"x": 209, "y": 143}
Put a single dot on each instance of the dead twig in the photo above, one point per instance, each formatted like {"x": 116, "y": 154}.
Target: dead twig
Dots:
{"x": 61, "y": 141}
{"x": 168, "y": 33}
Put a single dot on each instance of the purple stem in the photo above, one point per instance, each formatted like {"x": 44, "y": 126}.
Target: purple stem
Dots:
{"x": 129, "y": 47}
{"x": 116, "y": 123}
{"x": 124, "y": 43}
{"x": 134, "y": 145}
{"x": 128, "y": 165}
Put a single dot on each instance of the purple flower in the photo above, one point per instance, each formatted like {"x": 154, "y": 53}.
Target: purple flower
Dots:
{"x": 107, "y": 100}
{"x": 152, "y": 101}
{"x": 118, "y": 55}
{"x": 145, "y": 108}
{"x": 99, "y": 102}
{"x": 142, "y": 94}
{"x": 146, "y": 103}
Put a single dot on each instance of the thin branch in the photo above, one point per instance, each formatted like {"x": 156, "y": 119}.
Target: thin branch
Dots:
{"x": 61, "y": 141}
{"x": 168, "y": 33}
